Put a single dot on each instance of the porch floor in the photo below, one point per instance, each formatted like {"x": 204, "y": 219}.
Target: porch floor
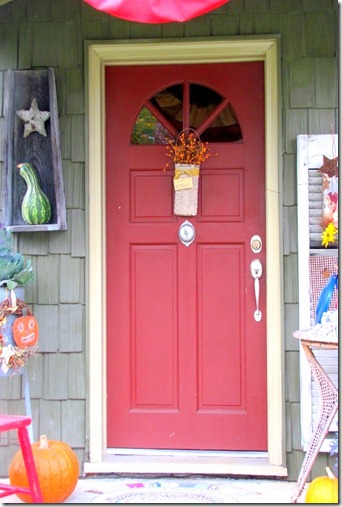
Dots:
{"x": 192, "y": 489}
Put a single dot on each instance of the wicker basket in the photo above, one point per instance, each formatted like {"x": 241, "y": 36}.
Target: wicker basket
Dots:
{"x": 186, "y": 199}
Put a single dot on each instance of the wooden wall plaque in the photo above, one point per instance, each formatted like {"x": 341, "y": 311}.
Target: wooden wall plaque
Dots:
{"x": 22, "y": 88}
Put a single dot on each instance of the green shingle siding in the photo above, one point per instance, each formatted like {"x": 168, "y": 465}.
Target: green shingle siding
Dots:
{"x": 326, "y": 82}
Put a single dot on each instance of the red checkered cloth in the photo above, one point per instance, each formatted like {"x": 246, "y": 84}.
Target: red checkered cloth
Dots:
{"x": 320, "y": 269}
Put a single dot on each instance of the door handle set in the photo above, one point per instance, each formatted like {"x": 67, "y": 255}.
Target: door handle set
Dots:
{"x": 256, "y": 272}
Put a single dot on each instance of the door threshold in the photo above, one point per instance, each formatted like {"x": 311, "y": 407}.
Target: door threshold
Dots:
{"x": 174, "y": 462}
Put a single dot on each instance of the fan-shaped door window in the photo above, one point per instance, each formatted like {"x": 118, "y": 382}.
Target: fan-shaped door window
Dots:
{"x": 186, "y": 105}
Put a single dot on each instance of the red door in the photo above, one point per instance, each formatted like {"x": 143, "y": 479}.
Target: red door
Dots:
{"x": 186, "y": 359}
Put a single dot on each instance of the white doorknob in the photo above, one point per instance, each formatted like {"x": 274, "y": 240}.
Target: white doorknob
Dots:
{"x": 186, "y": 233}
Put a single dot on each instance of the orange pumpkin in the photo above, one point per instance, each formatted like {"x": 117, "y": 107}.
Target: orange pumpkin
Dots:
{"x": 25, "y": 331}
{"x": 57, "y": 469}
{"x": 323, "y": 489}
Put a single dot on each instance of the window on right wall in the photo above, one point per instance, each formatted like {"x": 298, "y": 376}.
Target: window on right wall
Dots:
{"x": 317, "y": 192}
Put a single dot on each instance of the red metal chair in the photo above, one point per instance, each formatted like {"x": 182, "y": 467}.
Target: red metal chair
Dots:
{"x": 20, "y": 423}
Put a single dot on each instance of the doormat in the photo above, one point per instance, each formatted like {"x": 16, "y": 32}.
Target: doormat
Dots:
{"x": 166, "y": 492}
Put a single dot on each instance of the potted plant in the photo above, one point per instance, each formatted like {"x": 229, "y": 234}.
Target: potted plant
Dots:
{"x": 187, "y": 152}
{"x": 15, "y": 273}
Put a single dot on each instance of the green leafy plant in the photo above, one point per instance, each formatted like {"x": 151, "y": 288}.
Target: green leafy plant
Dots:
{"x": 14, "y": 268}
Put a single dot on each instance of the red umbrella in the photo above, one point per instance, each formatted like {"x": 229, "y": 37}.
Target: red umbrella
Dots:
{"x": 156, "y": 11}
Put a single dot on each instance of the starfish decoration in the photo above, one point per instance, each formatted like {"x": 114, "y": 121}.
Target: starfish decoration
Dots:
{"x": 34, "y": 119}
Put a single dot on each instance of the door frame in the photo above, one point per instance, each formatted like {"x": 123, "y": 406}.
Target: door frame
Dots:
{"x": 184, "y": 51}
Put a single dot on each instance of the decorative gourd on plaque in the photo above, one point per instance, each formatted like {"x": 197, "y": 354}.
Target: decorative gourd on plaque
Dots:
{"x": 36, "y": 207}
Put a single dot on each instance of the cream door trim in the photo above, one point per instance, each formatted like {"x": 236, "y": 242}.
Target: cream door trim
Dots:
{"x": 162, "y": 51}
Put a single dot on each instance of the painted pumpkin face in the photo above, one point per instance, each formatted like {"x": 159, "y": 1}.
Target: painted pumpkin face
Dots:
{"x": 25, "y": 331}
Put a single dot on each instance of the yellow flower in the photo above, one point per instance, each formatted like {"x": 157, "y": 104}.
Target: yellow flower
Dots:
{"x": 329, "y": 234}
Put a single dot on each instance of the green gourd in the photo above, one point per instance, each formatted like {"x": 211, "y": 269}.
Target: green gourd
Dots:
{"x": 35, "y": 208}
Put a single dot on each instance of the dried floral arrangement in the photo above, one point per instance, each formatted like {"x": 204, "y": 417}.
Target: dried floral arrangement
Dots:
{"x": 187, "y": 149}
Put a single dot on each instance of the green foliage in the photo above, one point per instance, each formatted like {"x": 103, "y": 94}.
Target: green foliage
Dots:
{"x": 148, "y": 130}
{"x": 14, "y": 269}
{"x": 144, "y": 128}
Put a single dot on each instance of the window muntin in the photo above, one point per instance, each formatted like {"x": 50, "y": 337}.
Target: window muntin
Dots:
{"x": 184, "y": 105}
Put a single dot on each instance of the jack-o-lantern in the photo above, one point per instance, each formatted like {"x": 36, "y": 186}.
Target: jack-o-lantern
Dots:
{"x": 25, "y": 331}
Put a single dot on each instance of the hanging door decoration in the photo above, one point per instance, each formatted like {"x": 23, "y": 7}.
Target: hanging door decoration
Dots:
{"x": 187, "y": 152}
{"x": 186, "y": 189}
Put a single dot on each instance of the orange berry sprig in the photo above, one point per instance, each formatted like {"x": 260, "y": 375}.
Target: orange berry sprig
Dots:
{"x": 188, "y": 150}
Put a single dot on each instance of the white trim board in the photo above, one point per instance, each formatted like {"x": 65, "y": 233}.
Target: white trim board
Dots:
{"x": 221, "y": 464}
{"x": 162, "y": 51}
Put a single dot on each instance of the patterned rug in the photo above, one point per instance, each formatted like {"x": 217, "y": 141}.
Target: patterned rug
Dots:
{"x": 166, "y": 492}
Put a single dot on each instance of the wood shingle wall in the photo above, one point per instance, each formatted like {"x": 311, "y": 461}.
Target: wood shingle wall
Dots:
{"x": 51, "y": 33}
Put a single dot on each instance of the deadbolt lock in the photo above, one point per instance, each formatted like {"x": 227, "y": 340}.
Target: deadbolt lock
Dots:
{"x": 256, "y": 244}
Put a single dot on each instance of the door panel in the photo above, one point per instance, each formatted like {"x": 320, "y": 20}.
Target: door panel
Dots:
{"x": 221, "y": 195}
{"x": 153, "y": 323}
{"x": 219, "y": 315}
{"x": 186, "y": 365}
